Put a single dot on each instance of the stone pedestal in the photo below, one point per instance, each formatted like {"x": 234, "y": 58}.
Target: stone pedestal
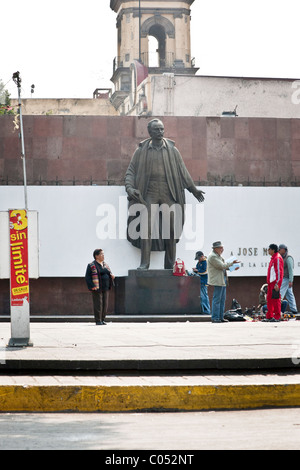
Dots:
{"x": 157, "y": 292}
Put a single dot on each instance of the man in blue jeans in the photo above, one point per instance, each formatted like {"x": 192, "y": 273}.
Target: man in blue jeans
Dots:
{"x": 201, "y": 269}
{"x": 286, "y": 289}
{"x": 217, "y": 277}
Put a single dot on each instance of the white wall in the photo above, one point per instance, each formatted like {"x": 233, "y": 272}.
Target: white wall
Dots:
{"x": 74, "y": 220}
{"x": 210, "y": 96}
{"x": 66, "y": 106}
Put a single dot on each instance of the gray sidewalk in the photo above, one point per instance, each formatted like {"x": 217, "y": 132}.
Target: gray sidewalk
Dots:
{"x": 144, "y": 366}
{"x": 155, "y": 346}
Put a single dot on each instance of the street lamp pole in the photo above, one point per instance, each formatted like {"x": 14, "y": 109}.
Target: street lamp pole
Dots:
{"x": 19, "y": 259}
{"x": 140, "y": 54}
{"x": 17, "y": 79}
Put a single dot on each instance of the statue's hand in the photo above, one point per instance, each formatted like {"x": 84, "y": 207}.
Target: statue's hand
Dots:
{"x": 199, "y": 195}
{"x": 135, "y": 195}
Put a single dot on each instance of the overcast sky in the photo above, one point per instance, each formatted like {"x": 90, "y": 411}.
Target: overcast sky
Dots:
{"x": 66, "y": 47}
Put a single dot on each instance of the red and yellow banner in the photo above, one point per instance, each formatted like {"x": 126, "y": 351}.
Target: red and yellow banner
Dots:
{"x": 19, "y": 277}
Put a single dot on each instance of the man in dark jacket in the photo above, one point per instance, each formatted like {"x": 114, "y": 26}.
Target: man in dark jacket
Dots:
{"x": 99, "y": 279}
{"x": 286, "y": 289}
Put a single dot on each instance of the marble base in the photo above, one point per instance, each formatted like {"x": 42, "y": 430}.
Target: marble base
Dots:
{"x": 157, "y": 291}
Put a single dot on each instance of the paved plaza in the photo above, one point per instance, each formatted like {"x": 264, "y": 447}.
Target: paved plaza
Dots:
{"x": 151, "y": 366}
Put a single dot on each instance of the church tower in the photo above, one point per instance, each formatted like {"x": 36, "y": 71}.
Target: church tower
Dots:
{"x": 153, "y": 38}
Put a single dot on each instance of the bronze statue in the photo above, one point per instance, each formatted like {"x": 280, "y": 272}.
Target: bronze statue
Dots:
{"x": 155, "y": 182}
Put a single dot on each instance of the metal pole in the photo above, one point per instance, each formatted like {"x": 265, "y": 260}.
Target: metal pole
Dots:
{"x": 17, "y": 80}
{"x": 140, "y": 54}
{"x": 19, "y": 312}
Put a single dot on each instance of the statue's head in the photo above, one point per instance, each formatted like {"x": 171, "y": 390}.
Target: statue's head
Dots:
{"x": 156, "y": 129}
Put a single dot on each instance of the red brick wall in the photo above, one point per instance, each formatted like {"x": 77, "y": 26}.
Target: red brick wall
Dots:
{"x": 86, "y": 149}
{"x": 69, "y": 296}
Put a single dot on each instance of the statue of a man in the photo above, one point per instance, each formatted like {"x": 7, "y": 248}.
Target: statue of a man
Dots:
{"x": 155, "y": 182}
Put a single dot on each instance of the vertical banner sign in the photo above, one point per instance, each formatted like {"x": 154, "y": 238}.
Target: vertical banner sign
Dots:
{"x": 19, "y": 284}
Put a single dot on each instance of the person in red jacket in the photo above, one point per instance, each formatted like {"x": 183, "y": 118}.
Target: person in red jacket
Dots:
{"x": 274, "y": 280}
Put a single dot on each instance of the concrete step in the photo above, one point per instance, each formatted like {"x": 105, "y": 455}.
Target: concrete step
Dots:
{"x": 166, "y": 366}
{"x": 92, "y": 393}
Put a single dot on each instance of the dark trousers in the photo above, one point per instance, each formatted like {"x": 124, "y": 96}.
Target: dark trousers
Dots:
{"x": 100, "y": 304}
{"x": 159, "y": 193}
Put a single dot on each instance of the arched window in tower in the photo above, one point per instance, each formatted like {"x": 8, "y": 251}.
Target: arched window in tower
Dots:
{"x": 153, "y": 57}
{"x": 158, "y": 32}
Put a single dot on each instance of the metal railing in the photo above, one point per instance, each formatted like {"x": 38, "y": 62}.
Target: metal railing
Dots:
{"x": 211, "y": 181}
{"x": 152, "y": 59}
{"x": 149, "y": 59}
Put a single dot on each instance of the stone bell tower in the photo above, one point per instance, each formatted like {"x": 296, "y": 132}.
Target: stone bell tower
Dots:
{"x": 164, "y": 22}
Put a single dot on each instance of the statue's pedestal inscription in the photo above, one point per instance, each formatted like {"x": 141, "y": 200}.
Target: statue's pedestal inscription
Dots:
{"x": 156, "y": 291}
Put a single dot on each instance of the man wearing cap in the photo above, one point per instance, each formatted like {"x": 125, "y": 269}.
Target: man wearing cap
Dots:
{"x": 217, "y": 278}
{"x": 201, "y": 269}
{"x": 286, "y": 289}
